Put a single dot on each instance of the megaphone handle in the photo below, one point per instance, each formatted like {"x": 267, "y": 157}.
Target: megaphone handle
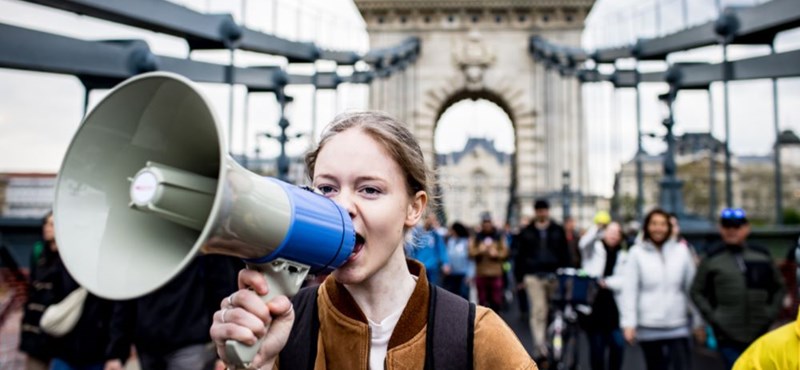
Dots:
{"x": 284, "y": 277}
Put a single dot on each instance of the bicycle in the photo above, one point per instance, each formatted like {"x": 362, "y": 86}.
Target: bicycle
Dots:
{"x": 574, "y": 291}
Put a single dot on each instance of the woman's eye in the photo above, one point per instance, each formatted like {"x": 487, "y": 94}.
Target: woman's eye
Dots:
{"x": 371, "y": 191}
{"x": 325, "y": 189}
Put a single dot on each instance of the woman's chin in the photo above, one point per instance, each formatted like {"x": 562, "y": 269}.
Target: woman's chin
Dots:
{"x": 348, "y": 274}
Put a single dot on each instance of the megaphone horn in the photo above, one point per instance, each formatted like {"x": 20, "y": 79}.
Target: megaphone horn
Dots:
{"x": 147, "y": 184}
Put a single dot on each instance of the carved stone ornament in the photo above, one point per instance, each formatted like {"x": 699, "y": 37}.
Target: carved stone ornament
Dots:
{"x": 473, "y": 56}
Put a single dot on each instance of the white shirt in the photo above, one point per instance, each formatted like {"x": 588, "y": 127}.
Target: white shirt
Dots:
{"x": 379, "y": 338}
{"x": 380, "y": 333}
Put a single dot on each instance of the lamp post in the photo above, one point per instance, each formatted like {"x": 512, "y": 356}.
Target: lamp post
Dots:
{"x": 712, "y": 162}
{"x": 671, "y": 195}
{"x": 639, "y": 154}
{"x": 283, "y": 137}
{"x": 565, "y": 195}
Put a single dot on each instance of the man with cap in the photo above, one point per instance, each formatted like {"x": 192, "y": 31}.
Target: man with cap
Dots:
{"x": 737, "y": 288}
{"x": 541, "y": 250}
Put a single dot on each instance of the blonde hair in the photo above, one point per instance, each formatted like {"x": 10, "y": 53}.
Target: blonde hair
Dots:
{"x": 393, "y": 136}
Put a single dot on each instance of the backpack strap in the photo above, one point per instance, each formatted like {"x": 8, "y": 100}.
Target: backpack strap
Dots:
{"x": 449, "y": 339}
{"x": 451, "y": 331}
{"x": 300, "y": 351}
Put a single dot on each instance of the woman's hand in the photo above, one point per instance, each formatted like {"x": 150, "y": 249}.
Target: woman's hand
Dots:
{"x": 244, "y": 317}
{"x": 630, "y": 335}
{"x": 700, "y": 335}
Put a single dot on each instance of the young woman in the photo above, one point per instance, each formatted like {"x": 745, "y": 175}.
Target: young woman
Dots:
{"x": 373, "y": 309}
{"x": 603, "y": 256}
{"x": 655, "y": 297}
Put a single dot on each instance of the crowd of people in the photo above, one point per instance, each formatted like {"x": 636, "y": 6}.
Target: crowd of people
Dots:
{"x": 653, "y": 287}
{"x": 405, "y": 292}
{"x": 168, "y": 327}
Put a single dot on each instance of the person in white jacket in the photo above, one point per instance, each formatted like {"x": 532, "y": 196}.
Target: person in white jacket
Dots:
{"x": 655, "y": 304}
{"x": 603, "y": 256}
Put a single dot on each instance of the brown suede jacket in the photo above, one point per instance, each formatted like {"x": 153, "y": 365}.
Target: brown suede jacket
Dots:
{"x": 344, "y": 339}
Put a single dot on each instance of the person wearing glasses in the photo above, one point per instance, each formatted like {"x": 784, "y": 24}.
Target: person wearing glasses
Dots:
{"x": 737, "y": 288}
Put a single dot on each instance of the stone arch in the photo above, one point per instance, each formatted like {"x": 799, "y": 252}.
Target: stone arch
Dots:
{"x": 479, "y": 48}
{"x": 510, "y": 98}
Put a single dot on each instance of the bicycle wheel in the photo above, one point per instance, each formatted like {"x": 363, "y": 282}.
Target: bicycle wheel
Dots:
{"x": 570, "y": 356}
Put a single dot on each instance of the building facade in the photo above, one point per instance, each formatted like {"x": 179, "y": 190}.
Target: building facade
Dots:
{"x": 479, "y": 49}
{"x": 753, "y": 179}
{"x": 26, "y": 195}
{"x": 474, "y": 180}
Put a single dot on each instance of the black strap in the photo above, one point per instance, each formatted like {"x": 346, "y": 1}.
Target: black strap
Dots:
{"x": 451, "y": 325}
{"x": 300, "y": 351}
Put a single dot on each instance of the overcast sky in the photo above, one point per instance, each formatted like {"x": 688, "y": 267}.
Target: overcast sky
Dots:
{"x": 40, "y": 112}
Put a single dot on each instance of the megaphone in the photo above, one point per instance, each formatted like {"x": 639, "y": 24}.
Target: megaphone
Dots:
{"x": 147, "y": 184}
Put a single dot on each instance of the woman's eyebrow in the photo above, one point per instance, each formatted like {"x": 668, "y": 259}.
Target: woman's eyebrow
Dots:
{"x": 324, "y": 176}
{"x": 370, "y": 178}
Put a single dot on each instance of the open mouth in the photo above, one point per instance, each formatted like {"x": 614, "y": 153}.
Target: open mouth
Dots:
{"x": 357, "y": 247}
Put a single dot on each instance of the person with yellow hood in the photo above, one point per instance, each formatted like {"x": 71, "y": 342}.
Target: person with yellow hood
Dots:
{"x": 776, "y": 350}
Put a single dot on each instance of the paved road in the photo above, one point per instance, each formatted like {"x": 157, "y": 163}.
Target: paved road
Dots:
{"x": 633, "y": 360}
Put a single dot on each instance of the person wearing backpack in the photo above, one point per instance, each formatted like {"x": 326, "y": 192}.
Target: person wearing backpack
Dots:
{"x": 378, "y": 310}
{"x": 37, "y": 344}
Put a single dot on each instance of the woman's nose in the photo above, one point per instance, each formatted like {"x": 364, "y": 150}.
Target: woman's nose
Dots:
{"x": 347, "y": 202}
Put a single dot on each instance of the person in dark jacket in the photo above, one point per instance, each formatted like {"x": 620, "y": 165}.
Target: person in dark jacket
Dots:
{"x": 737, "y": 288}
{"x": 33, "y": 341}
{"x": 83, "y": 348}
{"x": 169, "y": 327}
{"x": 541, "y": 250}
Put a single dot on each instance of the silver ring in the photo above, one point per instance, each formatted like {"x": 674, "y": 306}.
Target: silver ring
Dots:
{"x": 224, "y": 311}
{"x": 230, "y": 299}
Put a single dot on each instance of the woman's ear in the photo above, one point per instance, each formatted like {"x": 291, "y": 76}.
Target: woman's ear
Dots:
{"x": 416, "y": 208}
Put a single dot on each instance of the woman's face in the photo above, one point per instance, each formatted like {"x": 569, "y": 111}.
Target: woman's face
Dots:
{"x": 658, "y": 227}
{"x": 355, "y": 171}
{"x": 48, "y": 231}
{"x": 613, "y": 235}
